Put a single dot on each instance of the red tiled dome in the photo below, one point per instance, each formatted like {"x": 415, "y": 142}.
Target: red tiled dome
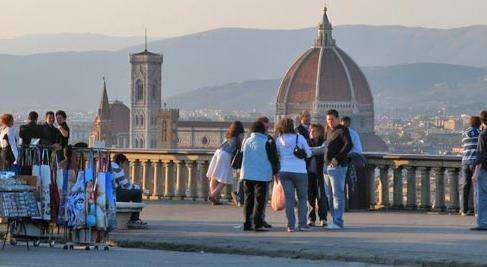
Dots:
{"x": 324, "y": 78}
{"x": 324, "y": 73}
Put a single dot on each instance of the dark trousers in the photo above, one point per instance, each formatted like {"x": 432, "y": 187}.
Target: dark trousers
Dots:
{"x": 240, "y": 192}
{"x": 466, "y": 187}
{"x": 254, "y": 202}
{"x": 130, "y": 195}
{"x": 317, "y": 200}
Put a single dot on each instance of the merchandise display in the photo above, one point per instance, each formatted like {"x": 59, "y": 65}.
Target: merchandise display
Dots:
{"x": 75, "y": 195}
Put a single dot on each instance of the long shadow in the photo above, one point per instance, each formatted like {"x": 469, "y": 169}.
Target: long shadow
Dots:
{"x": 234, "y": 227}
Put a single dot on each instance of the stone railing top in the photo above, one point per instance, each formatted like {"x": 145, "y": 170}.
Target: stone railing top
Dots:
{"x": 163, "y": 151}
{"x": 166, "y": 154}
{"x": 373, "y": 157}
{"x": 415, "y": 160}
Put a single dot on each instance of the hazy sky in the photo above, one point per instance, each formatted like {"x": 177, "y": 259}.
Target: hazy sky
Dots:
{"x": 177, "y": 17}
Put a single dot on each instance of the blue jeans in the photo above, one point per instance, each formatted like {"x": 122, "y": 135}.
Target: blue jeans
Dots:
{"x": 482, "y": 199}
{"x": 295, "y": 184}
{"x": 335, "y": 192}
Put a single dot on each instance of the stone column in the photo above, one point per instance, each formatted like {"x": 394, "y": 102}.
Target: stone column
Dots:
{"x": 425, "y": 188}
{"x": 202, "y": 183}
{"x": 169, "y": 180}
{"x": 411, "y": 187}
{"x": 372, "y": 186}
{"x": 384, "y": 186}
{"x": 191, "y": 187}
{"x": 180, "y": 175}
{"x": 133, "y": 171}
{"x": 454, "y": 189}
{"x": 439, "y": 204}
{"x": 145, "y": 176}
{"x": 397, "y": 188}
{"x": 156, "y": 190}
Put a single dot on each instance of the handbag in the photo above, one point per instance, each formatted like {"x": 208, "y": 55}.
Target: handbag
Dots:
{"x": 278, "y": 200}
{"x": 237, "y": 159}
{"x": 299, "y": 152}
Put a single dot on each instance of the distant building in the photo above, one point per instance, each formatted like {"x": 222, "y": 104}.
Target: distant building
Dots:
{"x": 111, "y": 123}
{"x": 324, "y": 78}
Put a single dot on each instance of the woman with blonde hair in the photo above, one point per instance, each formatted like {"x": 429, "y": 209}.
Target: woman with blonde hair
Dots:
{"x": 8, "y": 144}
{"x": 220, "y": 170}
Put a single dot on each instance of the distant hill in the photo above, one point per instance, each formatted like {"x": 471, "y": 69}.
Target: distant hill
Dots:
{"x": 256, "y": 95}
{"x": 222, "y": 56}
{"x": 64, "y": 42}
{"x": 418, "y": 87}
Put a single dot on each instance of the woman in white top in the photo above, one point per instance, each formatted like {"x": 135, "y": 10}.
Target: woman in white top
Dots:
{"x": 293, "y": 173}
{"x": 8, "y": 145}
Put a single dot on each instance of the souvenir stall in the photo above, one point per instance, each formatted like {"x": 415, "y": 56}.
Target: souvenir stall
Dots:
{"x": 90, "y": 210}
{"x": 70, "y": 192}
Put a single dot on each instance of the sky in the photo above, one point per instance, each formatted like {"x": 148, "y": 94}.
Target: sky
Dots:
{"x": 166, "y": 18}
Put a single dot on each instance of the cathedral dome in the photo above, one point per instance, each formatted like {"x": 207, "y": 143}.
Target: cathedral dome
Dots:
{"x": 325, "y": 73}
{"x": 325, "y": 77}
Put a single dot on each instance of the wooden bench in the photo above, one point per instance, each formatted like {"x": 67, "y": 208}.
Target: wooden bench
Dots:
{"x": 124, "y": 210}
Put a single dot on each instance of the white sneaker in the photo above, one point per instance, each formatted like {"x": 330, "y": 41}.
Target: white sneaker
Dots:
{"x": 333, "y": 226}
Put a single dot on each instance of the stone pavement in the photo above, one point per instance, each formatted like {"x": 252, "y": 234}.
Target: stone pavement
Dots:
{"x": 399, "y": 238}
{"x": 53, "y": 257}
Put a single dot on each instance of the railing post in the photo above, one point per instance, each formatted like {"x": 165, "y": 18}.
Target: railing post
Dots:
{"x": 202, "y": 183}
{"x": 180, "y": 189}
{"x": 425, "y": 188}
{"x": 145, "y": 176}
{"x": 384, "y": 186}
{"x": 372, "y": 186}
{"x": 454, "y": 189}
{"x": 191, "y": 187}
{"x": 397, "y": 188}
{"x": 156, "y": 192}
{"x": 168, "y": 180}
{"x": 439, "y": 204}
{"x": 411, "y": 187}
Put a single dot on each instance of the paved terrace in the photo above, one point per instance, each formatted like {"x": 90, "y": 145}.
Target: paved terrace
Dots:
{"x": 399, "y": 238}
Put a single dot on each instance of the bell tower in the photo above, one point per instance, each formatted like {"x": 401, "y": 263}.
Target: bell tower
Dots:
{"x": 145, "y": 98}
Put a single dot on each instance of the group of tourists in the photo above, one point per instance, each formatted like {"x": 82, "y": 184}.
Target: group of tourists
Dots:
{"x": 310, "y": 161}
{"x": 474, "y": 168}
{"x": 45, "y": 134}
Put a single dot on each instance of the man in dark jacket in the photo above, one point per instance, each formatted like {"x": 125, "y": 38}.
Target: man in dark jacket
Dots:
{"x": 480, "y": 177}
{"x": 30, "y": 130}
{"x": 49, "y": 133}
{"x": 336, "y": 161}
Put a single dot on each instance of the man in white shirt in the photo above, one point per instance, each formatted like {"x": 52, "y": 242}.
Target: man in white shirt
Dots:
{"x": 357, "y": 145}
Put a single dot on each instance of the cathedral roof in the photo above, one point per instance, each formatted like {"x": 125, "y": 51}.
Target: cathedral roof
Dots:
{"x": 120, "y": 117}
{"x": 324, "y": 73}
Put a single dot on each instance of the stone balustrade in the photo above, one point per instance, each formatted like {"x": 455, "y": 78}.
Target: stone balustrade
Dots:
{"x": 415, "y": 182}
{"x": 169, "y": 174}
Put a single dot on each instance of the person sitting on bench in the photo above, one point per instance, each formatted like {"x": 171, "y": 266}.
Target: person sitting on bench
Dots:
{"x": 126, "y": 191}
